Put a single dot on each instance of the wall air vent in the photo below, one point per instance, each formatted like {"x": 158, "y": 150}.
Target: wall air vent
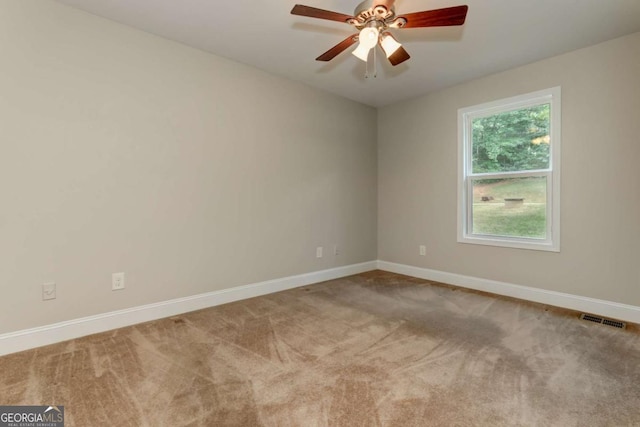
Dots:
{"x": 603, "y": 321}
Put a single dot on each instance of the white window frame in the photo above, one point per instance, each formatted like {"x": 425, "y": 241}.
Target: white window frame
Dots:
{"x": 465, "y": 191}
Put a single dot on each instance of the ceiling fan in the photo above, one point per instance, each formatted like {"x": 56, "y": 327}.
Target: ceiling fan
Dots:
{"x": 373, "y": 19}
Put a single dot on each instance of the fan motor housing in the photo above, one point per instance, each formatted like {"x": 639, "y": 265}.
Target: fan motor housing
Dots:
{"x": 379, "y": 10}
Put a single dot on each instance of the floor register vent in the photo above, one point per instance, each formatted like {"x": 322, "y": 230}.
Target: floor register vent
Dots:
{"x": 603, "y": 321}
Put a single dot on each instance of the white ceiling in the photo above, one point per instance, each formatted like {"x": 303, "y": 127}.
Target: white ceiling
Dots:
{"x": 498, "y": 35}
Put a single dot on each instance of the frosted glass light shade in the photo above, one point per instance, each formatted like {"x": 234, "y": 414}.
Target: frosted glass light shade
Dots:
{"x": 368, "y": 39}
{"x": 389, "y": 44}
{"x": 361, "y": 52}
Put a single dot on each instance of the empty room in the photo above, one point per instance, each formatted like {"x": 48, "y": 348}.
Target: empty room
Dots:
{"x": 377, "y": 213}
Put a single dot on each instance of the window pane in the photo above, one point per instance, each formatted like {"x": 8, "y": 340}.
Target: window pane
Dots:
{"x": 515, "y": 140}
{"x": 510, "y": 207}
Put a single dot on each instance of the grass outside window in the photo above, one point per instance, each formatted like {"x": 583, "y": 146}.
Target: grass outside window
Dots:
{"x": 493, "y": 216}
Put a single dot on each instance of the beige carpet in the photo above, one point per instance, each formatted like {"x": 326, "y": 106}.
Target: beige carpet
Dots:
{"x": 376, "y": 349}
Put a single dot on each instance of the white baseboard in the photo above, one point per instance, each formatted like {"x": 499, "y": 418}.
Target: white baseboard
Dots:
{"x": 50, "y": 334}
{"x": 44, "y": 335}
{"x": 615, "y": 310}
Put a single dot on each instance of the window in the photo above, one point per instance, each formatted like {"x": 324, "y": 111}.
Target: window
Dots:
{"x": 509, "y": 172}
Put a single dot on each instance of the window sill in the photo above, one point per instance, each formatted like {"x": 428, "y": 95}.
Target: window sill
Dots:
{"x": 514, "y": 243}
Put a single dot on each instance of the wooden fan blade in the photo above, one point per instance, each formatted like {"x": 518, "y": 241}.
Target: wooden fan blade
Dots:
{"x": 313, "y": 12}
{"x": 436, "y": 18}
{"x": 337, "y": 49}
{"x": 399, "y": 56}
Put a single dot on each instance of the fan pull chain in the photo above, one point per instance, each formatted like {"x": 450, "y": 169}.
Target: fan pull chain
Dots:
{"x": 375, "y": 62}
{"x": 372, "y": 68}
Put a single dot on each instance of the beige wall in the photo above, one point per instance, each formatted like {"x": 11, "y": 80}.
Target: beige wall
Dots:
{"x": 121, "y": 151}
{"x": 600, "y": 206}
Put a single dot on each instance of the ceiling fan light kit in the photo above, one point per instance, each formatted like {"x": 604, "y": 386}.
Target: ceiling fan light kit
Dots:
{"x": 373, "y": 19}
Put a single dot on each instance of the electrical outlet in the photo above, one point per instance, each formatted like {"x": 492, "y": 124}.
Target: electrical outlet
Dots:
{"x": 336, "y": 250}
{"x": 423, "y": 250}
{"x": 319, "y": 252}
{"x": 48, "y": 291}
{"x": 117, "y": 281}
